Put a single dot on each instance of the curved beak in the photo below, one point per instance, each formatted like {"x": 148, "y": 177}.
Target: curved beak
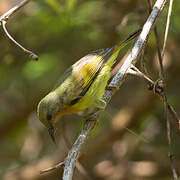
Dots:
{"x": 51, "y": 133}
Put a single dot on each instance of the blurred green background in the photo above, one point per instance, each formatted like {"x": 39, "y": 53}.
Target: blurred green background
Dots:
{"x": 129, "y": 141}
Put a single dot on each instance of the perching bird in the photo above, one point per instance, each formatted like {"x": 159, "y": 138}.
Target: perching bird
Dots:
{"x": 82, "y": 86}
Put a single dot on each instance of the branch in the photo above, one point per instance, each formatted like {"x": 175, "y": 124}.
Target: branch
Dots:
{"x": 116, "y": 82}
{"x": 78, "y": 165}
{"x": 167, "y": 27}
{"x": 3, "y": 21}
{"x": 167, "y": 106}
{"x": 75, "y": 151}
{"x": 8, "y": 14}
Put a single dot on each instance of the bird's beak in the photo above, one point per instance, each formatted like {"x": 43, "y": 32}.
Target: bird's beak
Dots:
{"x": 51, "y": 133}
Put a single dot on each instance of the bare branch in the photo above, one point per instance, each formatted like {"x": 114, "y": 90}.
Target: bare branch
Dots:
{"x": 78, "y": 165}
{"x": 9, "y": 13}
{"x": 174, "y": 115}
{"x": 30, "y": 53}
{"x": 57, "y": 166}
{"x": 167, "y": 106}
{"x": 75, "y": 150}
{"x": 165, "y": 101}
{"x": 132, "y": 57}
{"x": 116, "y": 82}
{"x": 167, "y": 27}
{"x": 3, "y": 21}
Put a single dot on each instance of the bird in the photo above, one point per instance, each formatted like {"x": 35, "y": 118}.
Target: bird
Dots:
{"x": 81, "y": 87}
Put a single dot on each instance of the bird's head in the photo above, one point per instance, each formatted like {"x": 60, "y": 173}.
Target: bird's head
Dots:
{"x": 48, "y": 109}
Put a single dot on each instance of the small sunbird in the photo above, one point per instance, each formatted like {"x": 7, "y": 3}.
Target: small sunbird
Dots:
{"x": 82, "y": 86}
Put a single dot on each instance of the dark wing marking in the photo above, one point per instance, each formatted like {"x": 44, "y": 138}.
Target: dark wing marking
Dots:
{"x": 74, "y": 101}
{"x": 105, "y": 59}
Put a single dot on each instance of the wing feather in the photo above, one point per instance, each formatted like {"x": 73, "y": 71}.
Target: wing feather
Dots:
{"x": 90, "y": 65}
{"x": 76, "y": 81}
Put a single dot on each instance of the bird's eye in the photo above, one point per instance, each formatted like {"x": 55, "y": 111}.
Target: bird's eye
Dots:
{"x": 49, "y": 117}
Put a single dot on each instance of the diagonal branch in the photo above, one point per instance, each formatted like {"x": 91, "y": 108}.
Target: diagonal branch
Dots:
{"x": 3, "y": 21}
{"x": 75, "y": 150}
{"x": 118, "y": 79}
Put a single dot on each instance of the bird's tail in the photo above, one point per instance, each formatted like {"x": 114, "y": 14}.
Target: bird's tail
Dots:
{"x": 128, "y": 39}
{"x": 111, "y": 55}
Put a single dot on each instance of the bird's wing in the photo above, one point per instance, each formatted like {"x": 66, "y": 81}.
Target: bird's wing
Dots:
{"x": 76, "y": 80}
{"x": 88, "y": 67}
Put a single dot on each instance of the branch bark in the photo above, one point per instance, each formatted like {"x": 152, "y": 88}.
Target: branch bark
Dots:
{"x": 118, "y": 79}
{"x": 12, "y": 11}
{"x": 3, "y": 21}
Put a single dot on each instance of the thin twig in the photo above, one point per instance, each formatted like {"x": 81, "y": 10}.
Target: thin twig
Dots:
{"x": 174, "y": 115}
{"x": 167, "y": 27}
{"x": 167, "y": 107}
{"x": 169, "y": 137}
{"x": 9, "y": 13}
{"x": 3, "y": 21}
{"x": 149, "y": 5}
{"x": 116, "y": 82}
{"x": 160, "y": 56}
{"x": 157, "y": 44}
{"x": 135, "y": 71}
{"x": 57, "y": 166}
{"x": 143, "y": 63}
{"x": 30, "y": 53}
